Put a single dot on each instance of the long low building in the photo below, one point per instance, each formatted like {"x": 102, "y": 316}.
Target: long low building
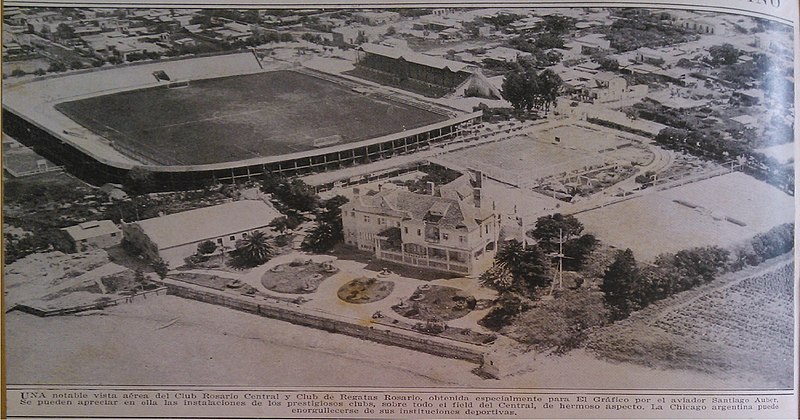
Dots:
{"x": 176, "y": 236}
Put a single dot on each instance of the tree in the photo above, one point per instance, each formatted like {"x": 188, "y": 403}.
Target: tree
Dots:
{"x": 391, "y": 31}
{"x": 547, "y": 89}
{"x": 497, "y": 278}
{"x": 206, "y": 247}
{"x": 528, "y": 265}
{"x": 550, "y": 229}
{"x": 547, "y": 41}
{"x": 139, "y": 279}
{"x": 558, "y": 24}
{"x": 526, "y": 89}
{"x": 138, "y": 181}
{"x": 57, "y": 67}
{"x": 279, "y": 224}
{"x": 506, "y": 307}
{"x": 578, "y": 250}
{"x": 160, "y": 267}
{"x": 513, "y": 89}
{"x": 725, "y": 54}
{"x": 619, "y": 282}
{"x": 290, "y": 194}
{"x": 18, "y": 72}
{"x": 608, "y": 63}
{"x": 64, "y": 31}
{"x": 322, "y": 238}
{"x": 39, "y": 72}
{"x": 252, "y": 250}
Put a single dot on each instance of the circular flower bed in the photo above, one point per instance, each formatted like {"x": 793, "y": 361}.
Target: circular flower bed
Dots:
{"x": 300, "y": 276}
{"x": 436, "y": 303}
{"x": 365, "y": 290}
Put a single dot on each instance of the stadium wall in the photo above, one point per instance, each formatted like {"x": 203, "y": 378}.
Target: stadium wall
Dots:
{"x": 98, "y": 170}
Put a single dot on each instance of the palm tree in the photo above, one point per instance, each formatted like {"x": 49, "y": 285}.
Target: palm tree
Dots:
{"x": 528, "y": 265}
{"x": 510, "y": 256}
{"x": 254, "y": 249}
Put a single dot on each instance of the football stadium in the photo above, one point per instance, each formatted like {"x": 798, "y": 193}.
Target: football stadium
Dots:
{"x": 219, "y": 118}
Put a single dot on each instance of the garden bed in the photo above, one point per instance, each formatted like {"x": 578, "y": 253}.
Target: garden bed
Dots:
{"x": 439, "y": 329}
{"x": 125, "y": 282}
{"x": 299, "y": 276}
{"x": 206, "y": 280}
{"x": 365, "y": 290}
{"x": 435, "y": 303}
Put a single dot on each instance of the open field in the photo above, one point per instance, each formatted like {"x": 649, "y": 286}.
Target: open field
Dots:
{"x": 241, "y": 117}
{"x": 526, "y": 158}
{"x": 718, "y": 211}
{"x": 741, "y": 323}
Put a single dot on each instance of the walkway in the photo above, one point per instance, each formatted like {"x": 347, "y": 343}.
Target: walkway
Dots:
{"x": 326, "y": 299}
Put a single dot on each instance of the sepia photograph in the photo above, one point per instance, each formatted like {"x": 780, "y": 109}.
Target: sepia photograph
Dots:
{"x": 466, "y": 197}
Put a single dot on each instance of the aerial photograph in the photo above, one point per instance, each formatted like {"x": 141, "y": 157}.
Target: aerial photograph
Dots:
{"x": 530, "y": 198}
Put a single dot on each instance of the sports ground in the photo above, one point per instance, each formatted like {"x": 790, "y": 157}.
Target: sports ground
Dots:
{"x": 241, "y": 117}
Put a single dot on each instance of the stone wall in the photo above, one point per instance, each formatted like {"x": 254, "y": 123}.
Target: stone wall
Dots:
{"x": 365, "y": 330}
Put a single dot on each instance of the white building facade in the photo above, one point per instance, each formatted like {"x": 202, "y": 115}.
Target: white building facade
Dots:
{"x": 441, "y": 233}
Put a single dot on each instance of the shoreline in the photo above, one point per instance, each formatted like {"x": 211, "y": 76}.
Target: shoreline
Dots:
{"x": 170, "y": 340}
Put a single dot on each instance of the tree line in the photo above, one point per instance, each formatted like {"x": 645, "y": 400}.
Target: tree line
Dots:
{"x": 630, "y": 286}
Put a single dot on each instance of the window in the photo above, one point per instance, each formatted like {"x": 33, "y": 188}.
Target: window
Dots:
{"x": 233, "y": 238}
{"x": 380, "y": 220}
{"x": 398, "y": 225}
{"x": 461, "y": 238}
{"x": 406, "y": 229}
{"x": 244, "y": 235}
{"x": 366, "y": 219}
{"x": 352, "y": 214}
{"x": 487, "y": 228}
{"x": 444, "y": 236}
{"x": 113, "y": 234}
{"x": 219, "y": 240}
{"x": 419, "y": 232}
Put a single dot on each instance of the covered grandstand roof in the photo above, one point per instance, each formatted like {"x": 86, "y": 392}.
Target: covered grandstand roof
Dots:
{"x": 415, "y": 57}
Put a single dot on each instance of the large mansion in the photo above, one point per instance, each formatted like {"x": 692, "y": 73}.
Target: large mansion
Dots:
{"x": 450, "y": 233}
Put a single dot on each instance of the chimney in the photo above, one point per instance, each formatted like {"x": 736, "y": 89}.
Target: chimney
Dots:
{"x": 431, "y": 185}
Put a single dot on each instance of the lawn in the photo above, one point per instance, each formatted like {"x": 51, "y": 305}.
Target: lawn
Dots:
{"x": 719, "y": 211}
{"x": 526, "y": 158}
{"x": 241, "y": 117}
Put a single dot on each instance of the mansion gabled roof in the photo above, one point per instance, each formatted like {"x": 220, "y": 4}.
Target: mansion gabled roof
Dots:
{"x": 448, "y": 213}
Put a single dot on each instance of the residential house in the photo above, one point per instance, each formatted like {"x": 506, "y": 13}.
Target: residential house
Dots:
{"x": 93, "y": 234}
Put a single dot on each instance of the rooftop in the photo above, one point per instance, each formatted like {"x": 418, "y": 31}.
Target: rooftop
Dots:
{"x": 207, "y": 223}
{"x": 91, "y": 229}
{"x": 414, "y": 57}
{"x": 447, "y": 212}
